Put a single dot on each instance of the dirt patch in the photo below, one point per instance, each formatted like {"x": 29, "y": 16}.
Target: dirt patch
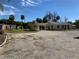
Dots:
{"x": 42, "y": 45}
{"x": 2, "y": 38}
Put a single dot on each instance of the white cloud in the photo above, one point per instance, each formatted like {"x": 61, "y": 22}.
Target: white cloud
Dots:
{"x": 10, "y": 12}
{"x": 23, "y": 2}
{"x": 29, "y": 3}
{"x": 32, "y": 2}
{"x": 11, "y": 7}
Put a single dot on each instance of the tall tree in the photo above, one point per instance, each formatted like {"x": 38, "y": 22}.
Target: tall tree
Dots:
{"x": 48, "y": 17}
{"x": 39, "y": 20}
{"x": 77, "y": 24}
{"x": 45, "y": 20}
{"x": 56, "y": 17}
{"x": 11, "y": 17}
{"x": 70, "y": 22}
{"x": 53, "y": 17}
{"x": 22, "y": 18}
{"x": 11, "y": 21}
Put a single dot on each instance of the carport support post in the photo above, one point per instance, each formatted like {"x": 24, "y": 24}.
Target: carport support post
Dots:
{"x": 45, "y": 27}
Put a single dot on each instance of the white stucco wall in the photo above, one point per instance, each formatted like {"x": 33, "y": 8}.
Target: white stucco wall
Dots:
{"x": 4, "y": 26}
{"x": 10, "y": 26}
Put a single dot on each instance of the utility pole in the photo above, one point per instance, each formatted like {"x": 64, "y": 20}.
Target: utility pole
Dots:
{"x": 66, "y": 19}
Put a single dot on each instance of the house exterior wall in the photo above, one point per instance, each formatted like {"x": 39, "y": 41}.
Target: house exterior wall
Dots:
{"x": 4, "y": 26}
{"x": 54, "y": 26}
{"x": 10, "y": 26}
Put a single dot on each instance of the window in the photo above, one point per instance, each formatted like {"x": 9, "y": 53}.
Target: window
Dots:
{"x": 58, "y": 26}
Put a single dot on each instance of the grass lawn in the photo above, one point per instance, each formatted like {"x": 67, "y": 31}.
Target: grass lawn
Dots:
{"x": 18, "y": 31}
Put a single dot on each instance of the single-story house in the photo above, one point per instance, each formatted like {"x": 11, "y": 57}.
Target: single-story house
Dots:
{"x": 6, "y": 26}
{"x": 54, "y": 26}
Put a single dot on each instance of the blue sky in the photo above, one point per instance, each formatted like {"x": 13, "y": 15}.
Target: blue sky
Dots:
{"x": 38, "y": 8}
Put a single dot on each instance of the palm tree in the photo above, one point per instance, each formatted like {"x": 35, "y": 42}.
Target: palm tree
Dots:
{"x": 22, "y": 18}
{"x": 11, "y": 20}
{"x": 11, "y": 17}
{"x": 39, "y": 20}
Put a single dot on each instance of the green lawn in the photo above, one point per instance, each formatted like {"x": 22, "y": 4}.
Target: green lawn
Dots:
{"x": 18, "y": 31}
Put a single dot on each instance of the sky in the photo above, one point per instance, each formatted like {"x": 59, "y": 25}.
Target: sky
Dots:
{"x": 39, "y": 8}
